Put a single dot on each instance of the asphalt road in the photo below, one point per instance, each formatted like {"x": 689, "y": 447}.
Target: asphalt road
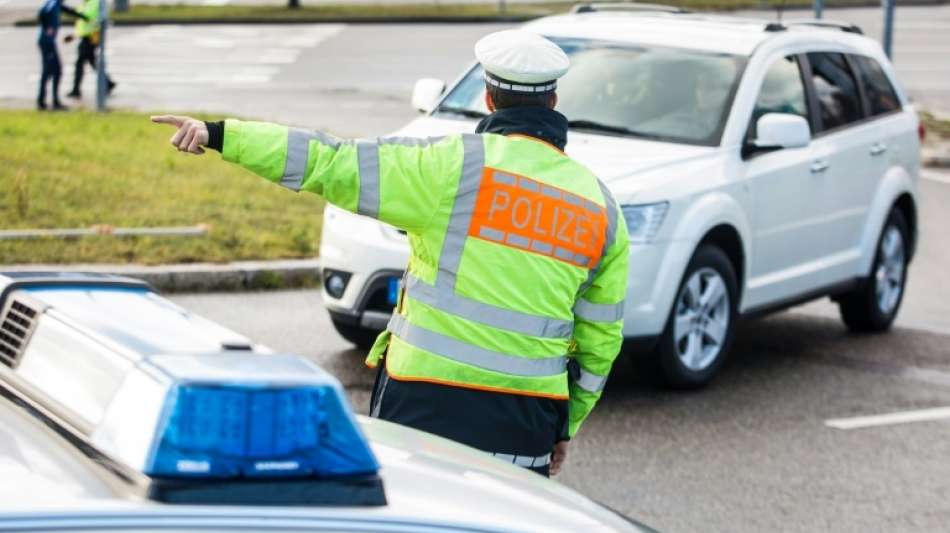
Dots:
{"x": 356, "y": 79}
{"x": 752, "y": 452}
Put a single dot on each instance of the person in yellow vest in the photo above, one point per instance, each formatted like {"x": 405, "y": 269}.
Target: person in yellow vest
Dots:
{"x": 87, "y": 29}
{"x": 511, "y": 313}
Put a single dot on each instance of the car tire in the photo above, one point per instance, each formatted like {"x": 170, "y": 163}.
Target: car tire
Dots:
{"x": 698, "y": 335}
{"x": 873, "y": 306}
{"x": 363, "y": 338}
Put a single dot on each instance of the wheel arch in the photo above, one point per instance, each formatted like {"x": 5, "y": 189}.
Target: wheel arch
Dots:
{"x": 726, "y": 237}
{"x": 895, "y": 190}
{"x": 721, "y": 220}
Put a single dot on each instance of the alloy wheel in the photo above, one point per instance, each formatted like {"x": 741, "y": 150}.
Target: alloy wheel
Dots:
{"x": 889, "y": 277}
{"x": 701, "y": 322}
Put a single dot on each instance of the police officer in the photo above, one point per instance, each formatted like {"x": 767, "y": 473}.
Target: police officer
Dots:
{"x": 87, "y": 28}
{"x": 48, "y": 16}
{"x": 511, "y": 312}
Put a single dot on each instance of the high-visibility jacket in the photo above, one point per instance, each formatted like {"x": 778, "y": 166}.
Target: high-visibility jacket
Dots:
{"x": 518, "y": 257}
{"x": 90, "y": 25}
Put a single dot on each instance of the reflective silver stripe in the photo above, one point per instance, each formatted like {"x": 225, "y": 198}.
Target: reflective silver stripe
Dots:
{"x": 551, "y": 191}
{"x": 473, "y": 161}
{"x": 542, "y": 247}
{"x": 518, "y": 240}
{"x": 581, "y": 259}
{"x": 505, "y": 179}
{"x": 492, "y": 234}
{"x": 598, "y": 312}
{"x": 526, "y": 461}
{"x": 529, "y": 185}
{"x": 463, "y": 352}
{"x": 497, "y": 317}
{"x": 592, "y": 207}
{"x": 298, "y": 152}
{"x": 571, "y": 199}
{"x": 410, "y": 141}
{"x": 591, "y": 382}
{"x": 367, "y": 153}
{"x": 610, "y": 237}
{"x": 563, "y": 253}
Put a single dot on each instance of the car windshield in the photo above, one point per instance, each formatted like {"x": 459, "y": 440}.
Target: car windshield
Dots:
{"x": 660, "y": 93}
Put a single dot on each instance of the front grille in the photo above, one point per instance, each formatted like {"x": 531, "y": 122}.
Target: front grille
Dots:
{"x": 16, "y": 326}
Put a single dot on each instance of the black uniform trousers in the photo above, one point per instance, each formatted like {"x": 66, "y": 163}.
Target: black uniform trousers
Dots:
{"x": 87, "y": 54}
{"x": 494, "y": 422}
{"x": 52, "y": 69}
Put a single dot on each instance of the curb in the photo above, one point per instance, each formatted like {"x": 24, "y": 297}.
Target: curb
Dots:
{"x": 205, "y": 277}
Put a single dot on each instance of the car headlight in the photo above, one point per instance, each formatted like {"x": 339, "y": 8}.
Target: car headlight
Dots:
{"x": 644, "y": 220}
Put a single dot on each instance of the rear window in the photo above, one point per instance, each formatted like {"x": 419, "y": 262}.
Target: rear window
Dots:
{"x": 836, "y": 89}
{"x": 882, "y": 98}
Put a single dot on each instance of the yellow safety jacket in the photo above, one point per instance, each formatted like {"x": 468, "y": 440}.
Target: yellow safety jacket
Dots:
{"x": 518, "y": 253}
{"x": 89, "y": 27}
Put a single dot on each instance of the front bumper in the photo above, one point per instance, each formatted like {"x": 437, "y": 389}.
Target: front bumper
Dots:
{"x": 368, "y": 254}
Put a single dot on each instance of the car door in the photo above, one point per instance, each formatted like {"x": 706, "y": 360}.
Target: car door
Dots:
{"x": 783, "y": 190}
{"x": 845, "y": 171}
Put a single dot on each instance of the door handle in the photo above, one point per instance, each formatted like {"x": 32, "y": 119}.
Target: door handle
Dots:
{"x": 878, "y": 148}
{"x": 819, "y": 166}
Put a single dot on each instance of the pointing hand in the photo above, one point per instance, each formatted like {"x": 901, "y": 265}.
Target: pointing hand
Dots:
{"x": 191, "y": 134}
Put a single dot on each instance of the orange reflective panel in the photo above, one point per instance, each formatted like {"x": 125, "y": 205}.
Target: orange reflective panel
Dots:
{"x": 527, "y": 214}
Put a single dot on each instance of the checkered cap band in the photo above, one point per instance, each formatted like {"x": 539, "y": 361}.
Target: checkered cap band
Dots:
{"x": 519, "y": 87}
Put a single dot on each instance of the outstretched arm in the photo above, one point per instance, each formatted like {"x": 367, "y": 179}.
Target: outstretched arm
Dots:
{"x": 400, "y": 181}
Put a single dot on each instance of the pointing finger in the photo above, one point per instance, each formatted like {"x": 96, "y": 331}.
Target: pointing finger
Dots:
{"x": 169, "y": 119}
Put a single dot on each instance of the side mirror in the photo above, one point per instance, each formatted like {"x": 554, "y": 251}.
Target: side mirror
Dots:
{"x": 426, "y": 94}
{"x": 775, "y": 131}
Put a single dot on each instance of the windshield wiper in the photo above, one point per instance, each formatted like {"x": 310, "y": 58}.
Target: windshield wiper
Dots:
{"x": 610, "y": 128}
{"x": 470, "y": 113}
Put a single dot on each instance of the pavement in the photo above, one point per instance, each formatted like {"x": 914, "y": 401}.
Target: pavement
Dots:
{"x": 753, "y": 452}
{"x": 356, "y": 80}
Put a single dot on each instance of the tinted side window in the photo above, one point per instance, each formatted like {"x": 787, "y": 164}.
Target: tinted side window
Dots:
{"x": 782, "y": 92}
{"x": 836, "y": 90}
{"x": 880, "y": 93}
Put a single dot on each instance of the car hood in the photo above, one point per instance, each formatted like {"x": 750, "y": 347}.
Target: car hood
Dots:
{"x": 618, "y": 161}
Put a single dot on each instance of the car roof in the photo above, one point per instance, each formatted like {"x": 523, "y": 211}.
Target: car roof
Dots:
{"x": 428, "y": 480}
{"x": 695, "y": 31}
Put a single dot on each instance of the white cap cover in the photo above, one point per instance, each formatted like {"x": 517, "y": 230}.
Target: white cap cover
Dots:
{"x": 527, "y": 60}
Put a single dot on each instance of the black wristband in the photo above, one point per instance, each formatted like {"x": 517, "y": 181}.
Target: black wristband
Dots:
{"x": 215, "y": 135}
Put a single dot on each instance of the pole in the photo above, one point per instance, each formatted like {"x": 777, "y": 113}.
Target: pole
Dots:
{"x": 889, "y": 7}
{"x": 101, "y": 88}
{"x": 819, "y": 8}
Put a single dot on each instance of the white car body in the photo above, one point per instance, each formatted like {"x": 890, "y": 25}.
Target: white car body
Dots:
{"x": 70, "y": 367}
{"x": 802, "y": 233}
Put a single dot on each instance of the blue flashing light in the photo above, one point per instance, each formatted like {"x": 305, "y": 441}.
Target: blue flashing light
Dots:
{"x": 233, "y": 431}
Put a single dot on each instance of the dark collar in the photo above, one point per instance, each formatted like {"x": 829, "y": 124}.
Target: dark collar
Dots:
{"x": 539, "y": 122}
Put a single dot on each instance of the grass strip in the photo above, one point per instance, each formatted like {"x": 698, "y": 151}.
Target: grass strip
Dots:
{"x": 79, "y": 169}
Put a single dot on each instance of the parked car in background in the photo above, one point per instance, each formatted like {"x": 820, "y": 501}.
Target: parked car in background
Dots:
{"x": 759, "y": 165}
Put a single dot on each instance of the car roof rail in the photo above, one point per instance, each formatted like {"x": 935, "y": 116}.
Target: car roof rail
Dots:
{"x": 817, "y": 23}
{"x": 628, "y": 7}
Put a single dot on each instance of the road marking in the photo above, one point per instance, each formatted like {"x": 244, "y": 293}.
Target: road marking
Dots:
{"x": 902, "y": 417}
{"x": 941, "y": 177}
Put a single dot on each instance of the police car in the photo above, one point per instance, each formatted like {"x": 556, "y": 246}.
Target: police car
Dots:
{"x": 759, "y": 165}
{"x": 120, "y": 411}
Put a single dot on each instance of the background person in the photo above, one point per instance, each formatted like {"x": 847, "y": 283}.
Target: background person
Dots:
{"x": 52, "y": 68}
{"x": 87, "y": 28}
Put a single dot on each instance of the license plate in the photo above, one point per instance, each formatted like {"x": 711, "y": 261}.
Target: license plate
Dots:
{"x": 392, "y": 293}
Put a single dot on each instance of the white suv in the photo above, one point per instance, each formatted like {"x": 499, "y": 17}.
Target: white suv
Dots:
{"x": 758, "y": 165}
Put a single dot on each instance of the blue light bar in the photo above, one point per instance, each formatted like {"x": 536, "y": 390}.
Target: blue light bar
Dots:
{"x": 229, "y": 431}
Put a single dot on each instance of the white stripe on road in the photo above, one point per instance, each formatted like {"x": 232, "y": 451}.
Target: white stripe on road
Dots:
{"x": 904, "y": 417}
{"x": 941, "y": 177}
